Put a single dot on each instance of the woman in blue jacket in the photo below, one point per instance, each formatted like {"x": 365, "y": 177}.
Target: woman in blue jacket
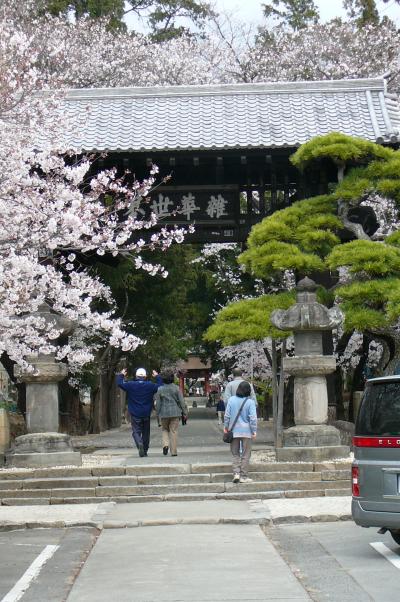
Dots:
{"x": 244, "y": 431}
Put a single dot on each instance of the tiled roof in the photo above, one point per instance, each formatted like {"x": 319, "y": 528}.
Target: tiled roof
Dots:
{"x": 237, "y": 116}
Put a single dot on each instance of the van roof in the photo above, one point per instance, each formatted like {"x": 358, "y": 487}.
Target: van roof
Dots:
{"x": 384, "y": 378}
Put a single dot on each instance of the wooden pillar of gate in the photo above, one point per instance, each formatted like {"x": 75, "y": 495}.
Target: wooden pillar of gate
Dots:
{"x": 182, "y": 383}
{"x": 207, "y": 384}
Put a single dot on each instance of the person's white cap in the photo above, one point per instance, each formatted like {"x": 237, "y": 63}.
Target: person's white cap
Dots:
{"x": 141, "y": 372}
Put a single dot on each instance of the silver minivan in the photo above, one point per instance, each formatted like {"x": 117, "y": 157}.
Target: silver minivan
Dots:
{"x": 376, "y": 466}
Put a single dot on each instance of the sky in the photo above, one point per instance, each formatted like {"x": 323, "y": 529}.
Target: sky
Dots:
{"x": 251, "y": 9}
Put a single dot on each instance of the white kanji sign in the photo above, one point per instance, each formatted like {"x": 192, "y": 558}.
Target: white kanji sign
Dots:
{"x": 161, "y": 207}
{"x": 216, "y": 206}
{"x": 188, "y": 205}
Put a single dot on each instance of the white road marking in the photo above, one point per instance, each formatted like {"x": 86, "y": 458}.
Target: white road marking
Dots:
{"x": 387, "y": 553}
{"x": 30, "y": 574}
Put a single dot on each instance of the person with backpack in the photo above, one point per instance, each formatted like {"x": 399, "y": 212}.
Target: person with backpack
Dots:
{"x": 241, "y": 418}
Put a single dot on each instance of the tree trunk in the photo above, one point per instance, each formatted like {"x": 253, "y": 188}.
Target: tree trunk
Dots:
{"x": 275, "y": 389}
{"x": 281, "y": 392}
{"x": 106, "y": 411}
{"x": 338, "y": 378}
{"x": 99, "y": 396}
{"x": 338, "y": 383}
{"x": 72, "y": 418}
{"x": 21, "y": 388}
{"x": 358, "y": 376}
{"x": 114, "y": 405}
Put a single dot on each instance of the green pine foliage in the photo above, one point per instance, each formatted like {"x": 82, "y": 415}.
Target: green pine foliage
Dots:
{"x": 382, "y": 177}
{"x": 354, "y": 187}
{"x": 296, "y": 238}
{"x": 297, "y": 14}
{"x": 249, "y": 319}
{"x": 393, "y": 239}
{"x": 363, "y": 12}
{"x": 113, "y": 10}
{"x": 366, "y": 257}
{"x": 164, "y": 18}
{"x": 370, "y": 305}
{"x": 340, "y": 149}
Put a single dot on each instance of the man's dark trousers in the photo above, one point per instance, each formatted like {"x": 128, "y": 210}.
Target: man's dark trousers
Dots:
{"x": 141, "y": 432}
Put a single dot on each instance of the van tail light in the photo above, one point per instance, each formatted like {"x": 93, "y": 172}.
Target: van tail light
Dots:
{"x": 355, "y": 487}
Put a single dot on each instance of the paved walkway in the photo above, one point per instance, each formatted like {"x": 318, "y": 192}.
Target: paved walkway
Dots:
{"x": 198, "y": 441}
{"x": 200, "y": 563}
{"x": 202, "y": 430}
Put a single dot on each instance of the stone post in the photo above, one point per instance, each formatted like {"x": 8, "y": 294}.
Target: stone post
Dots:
{"x": 43, "y": 445}
{"x": 311, "y": 439}
{"x": 4, "y": 433}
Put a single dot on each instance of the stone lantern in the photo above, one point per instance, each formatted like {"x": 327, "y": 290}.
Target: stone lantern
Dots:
{"x": 311, "y": 438}
{"x": 44, "y": 445}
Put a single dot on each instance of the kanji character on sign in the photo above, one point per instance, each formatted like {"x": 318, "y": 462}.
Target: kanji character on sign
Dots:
{"x": 161, "y": 207}
{"x": 216, "y": 206}
{"x": 135, "y": 209}
{"x": 188, "y": 205}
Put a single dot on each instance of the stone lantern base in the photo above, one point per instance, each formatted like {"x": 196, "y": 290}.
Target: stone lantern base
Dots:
{"x": 37, "y": 450}
{"x": 311, "y": 443}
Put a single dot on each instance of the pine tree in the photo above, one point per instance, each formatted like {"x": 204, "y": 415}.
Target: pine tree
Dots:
{"x": 337, "y": 232}
{"x": 362, "y": 11}
{"x": 162, "y": 16}
{"x": 297, "y": 14}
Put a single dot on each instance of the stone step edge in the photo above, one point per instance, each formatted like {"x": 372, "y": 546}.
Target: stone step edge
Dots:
{"x": 167, "y": 469}
{"x": 175, "y": 489}
{"x": 182, "y": 497}
{"x": 114, "y": 524}
{"x": 151, "y": 480}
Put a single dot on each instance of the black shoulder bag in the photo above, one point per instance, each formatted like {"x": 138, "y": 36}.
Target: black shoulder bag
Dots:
{"x": 228, "y": 436}
{"x": 183, "y": 415}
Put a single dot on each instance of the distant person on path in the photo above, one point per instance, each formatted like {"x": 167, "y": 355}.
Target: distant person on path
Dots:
{"x": 140, "y": 393}
{"x": 170, "y": 406}
{"x": 232, "y": 386}
{"x": 244, "y": 431}
{"x": 220, "y": 410}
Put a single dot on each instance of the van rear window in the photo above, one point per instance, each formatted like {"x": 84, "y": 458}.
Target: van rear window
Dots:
{"x": 379, "y": 413}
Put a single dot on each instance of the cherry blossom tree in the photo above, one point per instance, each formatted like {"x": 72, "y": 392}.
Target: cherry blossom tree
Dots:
{"x": 53, "y": 213}
{"x": 333, "y": 50}
{"x": 250, "y": 357}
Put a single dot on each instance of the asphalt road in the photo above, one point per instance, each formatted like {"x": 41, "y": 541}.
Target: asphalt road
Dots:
{"x": 40, "y": 565}
{"x": 335, "y": 562}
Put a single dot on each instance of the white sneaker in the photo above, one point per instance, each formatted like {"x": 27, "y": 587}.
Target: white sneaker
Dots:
{"x": 236, "y": 478}
{"x": 246, "y": 480}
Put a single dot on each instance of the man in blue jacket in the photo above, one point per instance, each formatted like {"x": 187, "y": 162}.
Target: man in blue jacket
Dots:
{"x": 140, "y": 394}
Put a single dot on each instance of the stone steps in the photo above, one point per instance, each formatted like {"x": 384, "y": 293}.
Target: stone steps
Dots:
{"x": 172, "y": 482}
{"x": 159, "y": 480}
